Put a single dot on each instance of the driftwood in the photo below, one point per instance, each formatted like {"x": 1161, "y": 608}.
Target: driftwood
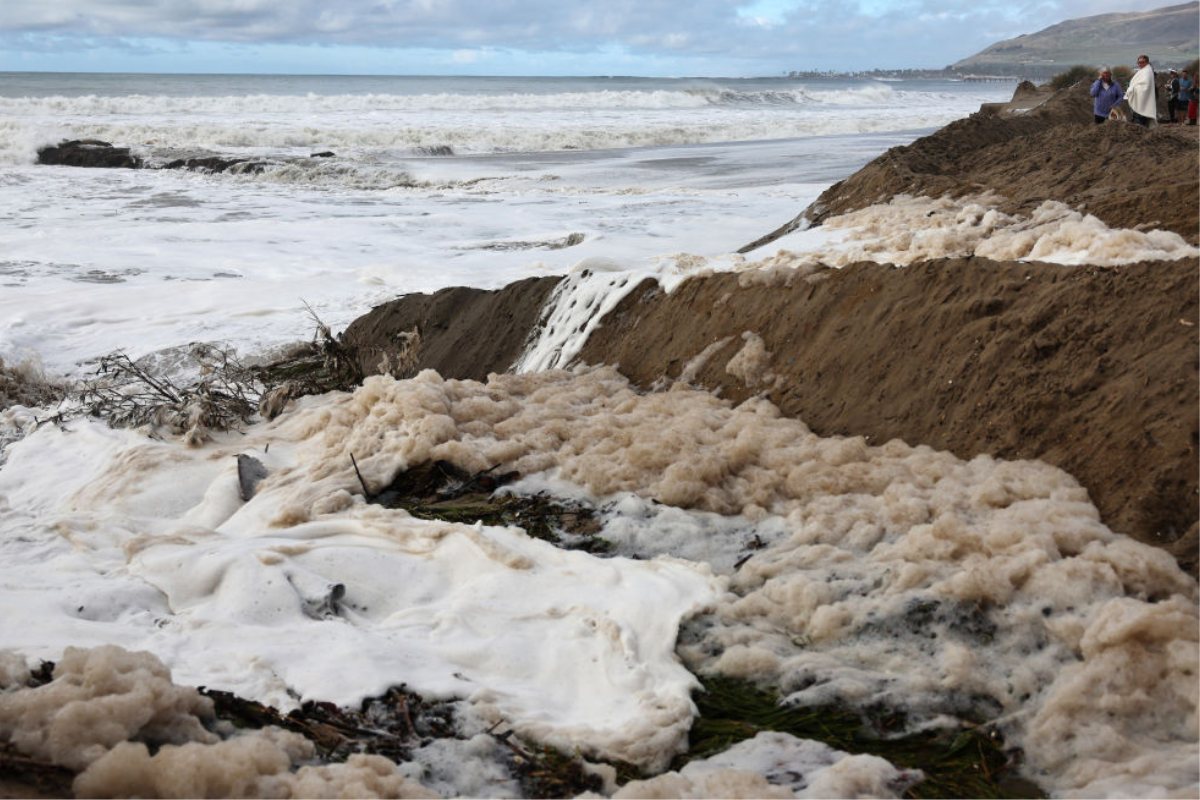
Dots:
{"x": 128, "y": 394}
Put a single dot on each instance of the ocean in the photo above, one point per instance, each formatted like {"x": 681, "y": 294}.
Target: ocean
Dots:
{"x": 833, "y": 569}
{"x": 435, "y": 182}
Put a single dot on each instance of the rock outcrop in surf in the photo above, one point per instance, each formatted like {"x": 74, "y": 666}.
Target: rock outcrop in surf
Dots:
{"x": 96, "y": 154}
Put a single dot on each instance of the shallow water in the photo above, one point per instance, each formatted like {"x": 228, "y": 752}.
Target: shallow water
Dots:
{"x": 636, "y": 168}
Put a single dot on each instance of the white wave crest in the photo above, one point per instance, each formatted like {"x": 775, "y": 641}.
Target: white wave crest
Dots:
{"x": 267, "y": 104}
{"x": 472, "y": 123}
{"x": 462, "y": 135}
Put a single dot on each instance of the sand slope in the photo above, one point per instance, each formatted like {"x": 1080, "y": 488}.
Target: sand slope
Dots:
{"x": 1091, "y": 369}
{"x": 1126, "y": 175}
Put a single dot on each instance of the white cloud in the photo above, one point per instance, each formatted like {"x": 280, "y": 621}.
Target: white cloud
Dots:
{"x": 466, "y": 56}
{"x": 773, "y": 34}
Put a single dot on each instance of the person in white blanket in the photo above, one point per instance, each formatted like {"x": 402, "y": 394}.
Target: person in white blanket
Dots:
{"x": 1140, "y": 94}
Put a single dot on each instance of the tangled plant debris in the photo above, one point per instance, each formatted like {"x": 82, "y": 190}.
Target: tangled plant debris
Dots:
{"x": 970, "y": 761}
{"x": 440, "y": 490}
{"x": 225, "y": 394}
{"x": 127, "y": 394}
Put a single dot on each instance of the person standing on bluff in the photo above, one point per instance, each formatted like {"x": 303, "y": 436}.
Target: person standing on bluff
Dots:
{"x": 1140, "y": 94}
{"x": 1107, "y": 93}
{"x": 1172, "y": 88}
{"x": 1186, "y": 92}
{"x": 1194, "y": 103}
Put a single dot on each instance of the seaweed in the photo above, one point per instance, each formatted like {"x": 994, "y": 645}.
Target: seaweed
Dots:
{"x": 398, "y": 721}
{"x": 440, "y": 490}
{"x": 545, "y": 772}
{"x": 324, "y": 365}
{"x": 389, "y": 725}
{"x": 32, "y": 777}
{"x": 969, "y": 762}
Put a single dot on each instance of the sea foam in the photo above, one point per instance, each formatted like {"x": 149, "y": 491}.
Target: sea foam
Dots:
{"x": 897, "y": 575}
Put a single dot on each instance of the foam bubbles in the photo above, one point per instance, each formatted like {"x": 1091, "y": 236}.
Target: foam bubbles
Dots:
{"x": 909, "y": 229}
{"x": 106, "y": 705}
{"x": 573, "y": 311}
{"x": 779, "y": 765}
{"x": 889, "y": 575}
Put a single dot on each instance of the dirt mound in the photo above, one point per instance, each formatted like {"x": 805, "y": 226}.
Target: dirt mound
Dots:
{"x": 460, "y": 332}
{"x": 1128, "y": 176}
{"x": 1092, "y": 370}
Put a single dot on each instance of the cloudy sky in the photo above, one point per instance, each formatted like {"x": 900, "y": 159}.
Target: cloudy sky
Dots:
{"x": 736, "y": 38}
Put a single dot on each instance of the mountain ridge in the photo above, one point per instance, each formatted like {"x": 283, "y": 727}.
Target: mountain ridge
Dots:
{"x": 1169, "y": 35}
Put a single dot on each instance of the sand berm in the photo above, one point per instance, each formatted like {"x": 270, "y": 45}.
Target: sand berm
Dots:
{"x": 1092, "y": 369}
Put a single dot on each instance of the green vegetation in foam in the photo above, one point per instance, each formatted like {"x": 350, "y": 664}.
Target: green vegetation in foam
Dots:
{"x": 970, "y": 762}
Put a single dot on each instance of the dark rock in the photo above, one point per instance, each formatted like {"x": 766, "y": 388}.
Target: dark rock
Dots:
{"x": 323, "y": 154}
{"x": 216, "y": 164}
{"x": 250, "y": 472}
{"x": 88, "y": 153}
{"x": 94, "y": 153}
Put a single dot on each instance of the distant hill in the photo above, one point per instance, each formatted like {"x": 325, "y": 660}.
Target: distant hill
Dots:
{"x": 1170, "y": 36}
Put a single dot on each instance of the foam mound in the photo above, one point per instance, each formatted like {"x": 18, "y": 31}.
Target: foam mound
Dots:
{"x": 107, "y": 707}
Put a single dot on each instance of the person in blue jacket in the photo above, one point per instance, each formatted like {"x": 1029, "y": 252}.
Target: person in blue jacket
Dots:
{"x": 1186, "y": 85}
{"x": 1107, "y": 93}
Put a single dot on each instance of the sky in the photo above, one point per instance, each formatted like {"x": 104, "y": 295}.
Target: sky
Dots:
{"x": 717, "y": 38}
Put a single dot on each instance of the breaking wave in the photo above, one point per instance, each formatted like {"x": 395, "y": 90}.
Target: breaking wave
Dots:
{"x": 416, "y": 125}
{"x": 266, "y": 104}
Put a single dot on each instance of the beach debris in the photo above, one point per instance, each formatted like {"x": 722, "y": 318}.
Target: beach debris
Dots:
{"x": 225, "y": 394}
{"x": 320, "y": 366}
{"x": 441, "y": 490}
{"x": 970, "y": 760}
{"x": 400, "y": 721}
{"x": 250, "y": 472}
{"x": 25, "y": 384}
{"x": 328, "y": 605}
{"x": 389, "y": 725}
{"x": 33, "y": 777}
{"x": 544, "y": 772}
{"x": 129, "y": 394}
{"x": 274, "y": 401}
